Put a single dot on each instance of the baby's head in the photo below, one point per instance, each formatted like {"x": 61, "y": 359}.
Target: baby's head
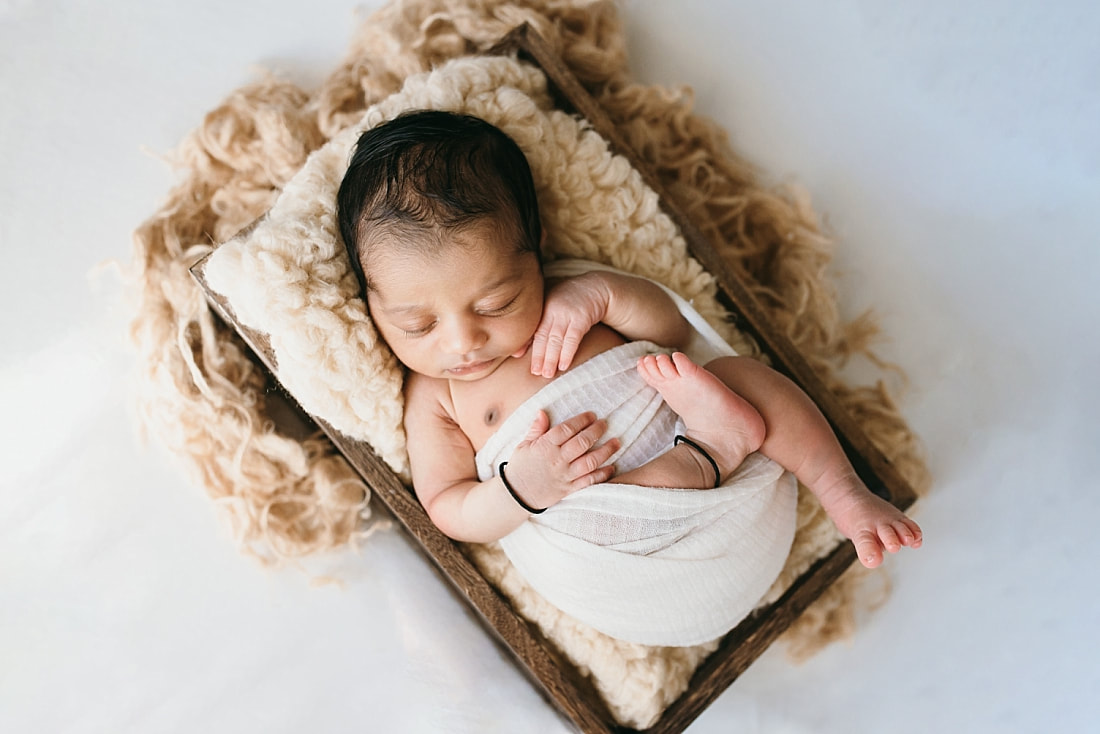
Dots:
{"x": 426, "y": 174}
{"x": 439, "y": 216}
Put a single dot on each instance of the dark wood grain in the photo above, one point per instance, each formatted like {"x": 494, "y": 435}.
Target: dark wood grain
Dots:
{"x": 556, "y": 678}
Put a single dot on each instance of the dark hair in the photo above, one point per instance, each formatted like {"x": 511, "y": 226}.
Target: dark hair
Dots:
{"x": 428, "y": 170}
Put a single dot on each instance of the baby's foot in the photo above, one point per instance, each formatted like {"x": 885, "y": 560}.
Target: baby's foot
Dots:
{"x": 871, "y": 523}
{"x": 719, "y": 420}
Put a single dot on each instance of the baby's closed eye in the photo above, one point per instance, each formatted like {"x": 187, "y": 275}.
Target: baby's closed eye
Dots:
{"x": 419, "y": 330}
{"x": 499, "y": 310}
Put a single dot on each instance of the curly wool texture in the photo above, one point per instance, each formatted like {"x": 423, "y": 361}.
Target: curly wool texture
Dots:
{"x": 287, "y": 495}
{"x": 289, "y": 278}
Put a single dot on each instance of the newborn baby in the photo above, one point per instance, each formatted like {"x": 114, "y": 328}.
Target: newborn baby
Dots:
{"x": 439, "y": 216}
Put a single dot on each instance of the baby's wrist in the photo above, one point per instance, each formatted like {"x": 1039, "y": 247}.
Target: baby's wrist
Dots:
{"x": 515, "y": 495}
{"x": 604, "y": 285}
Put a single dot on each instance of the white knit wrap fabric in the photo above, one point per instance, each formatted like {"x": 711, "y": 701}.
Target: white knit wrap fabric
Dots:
{"x": 655, "y": 566}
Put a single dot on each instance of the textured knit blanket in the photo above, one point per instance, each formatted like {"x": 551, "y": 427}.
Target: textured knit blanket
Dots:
{"x": 657, "y": 566}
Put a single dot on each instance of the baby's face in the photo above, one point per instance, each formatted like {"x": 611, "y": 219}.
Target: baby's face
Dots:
{"x": 458, "y": 314}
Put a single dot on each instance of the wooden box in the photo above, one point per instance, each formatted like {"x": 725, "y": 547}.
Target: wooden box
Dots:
{"x": 568, "y": 690}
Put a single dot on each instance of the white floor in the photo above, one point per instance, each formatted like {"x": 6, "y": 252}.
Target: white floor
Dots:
{"x": 951, "y": 148}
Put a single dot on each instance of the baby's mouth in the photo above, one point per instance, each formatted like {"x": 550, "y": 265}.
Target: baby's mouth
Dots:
{"x": 470, "y": 368}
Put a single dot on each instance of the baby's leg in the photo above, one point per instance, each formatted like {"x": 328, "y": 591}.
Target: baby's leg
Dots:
{"x": 722, "y": 423}
{"x": 719, "y": 422}
{"x": 800, "y": 440}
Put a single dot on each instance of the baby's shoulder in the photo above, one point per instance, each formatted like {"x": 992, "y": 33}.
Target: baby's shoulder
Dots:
{"x": 428, "y": 395}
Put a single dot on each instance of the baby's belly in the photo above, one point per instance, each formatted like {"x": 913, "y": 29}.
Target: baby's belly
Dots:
{"x": 482, "y": 406}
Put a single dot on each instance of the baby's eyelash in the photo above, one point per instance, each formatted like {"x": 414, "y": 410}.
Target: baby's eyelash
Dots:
{"x": 502, "y": 309}
{"x": 411, "y": 333}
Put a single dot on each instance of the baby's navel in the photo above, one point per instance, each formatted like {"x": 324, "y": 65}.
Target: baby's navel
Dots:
{"x": 492, "y": 415}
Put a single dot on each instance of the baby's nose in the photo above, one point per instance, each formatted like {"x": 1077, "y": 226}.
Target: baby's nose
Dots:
{"x": 464, "y": 337}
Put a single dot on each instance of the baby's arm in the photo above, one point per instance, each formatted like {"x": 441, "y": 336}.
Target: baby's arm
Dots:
{"x": 549, "y": 464}
{"x": 634, "y": 307}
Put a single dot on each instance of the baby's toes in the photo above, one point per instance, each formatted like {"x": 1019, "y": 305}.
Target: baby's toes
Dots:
{"x": 912, "y": 535}
{"x": 683, "y": 364}
{"x": 665, "y": 366}
{"x": 888, "y": 534}
{"x": 904, "y": 533}
{"x": 868, "y": 549}
{"x": 647, "y": 368}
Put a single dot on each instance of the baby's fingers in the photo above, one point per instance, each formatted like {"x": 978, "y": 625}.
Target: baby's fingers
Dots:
{"x": 552, "y": 348}
{"x": 581, "y": 442}
{"x": 567, "y": 429}
{"x": 570, "y": 343}
{"x": 596, "y": 476}
{"x": 590, "y": 469}
{"x": 546, "y": 346}
{"x": 539, "y": 427}
{"x": 597, "y": 457}
{"x": 538, "y": 349}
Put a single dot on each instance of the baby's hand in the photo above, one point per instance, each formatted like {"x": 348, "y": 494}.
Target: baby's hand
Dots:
{"x": 553, "y": 462}
{"x": 572, "y": 308}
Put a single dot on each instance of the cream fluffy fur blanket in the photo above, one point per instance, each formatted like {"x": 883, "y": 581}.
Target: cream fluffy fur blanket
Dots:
{"x": 290, "y": 495}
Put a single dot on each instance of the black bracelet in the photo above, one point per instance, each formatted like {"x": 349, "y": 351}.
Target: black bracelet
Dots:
{"x": 702, "y": 452}
{"x": 512, "y": 491}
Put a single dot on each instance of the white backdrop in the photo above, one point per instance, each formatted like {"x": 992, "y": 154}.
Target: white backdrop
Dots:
{"x": 952, "y": 151}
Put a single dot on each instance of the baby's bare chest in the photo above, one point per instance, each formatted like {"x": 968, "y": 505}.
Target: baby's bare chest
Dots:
{"x": 480, "y": 407}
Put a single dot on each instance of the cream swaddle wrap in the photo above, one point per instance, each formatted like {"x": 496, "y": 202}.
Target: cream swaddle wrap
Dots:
{"x": 655, "y": 566}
